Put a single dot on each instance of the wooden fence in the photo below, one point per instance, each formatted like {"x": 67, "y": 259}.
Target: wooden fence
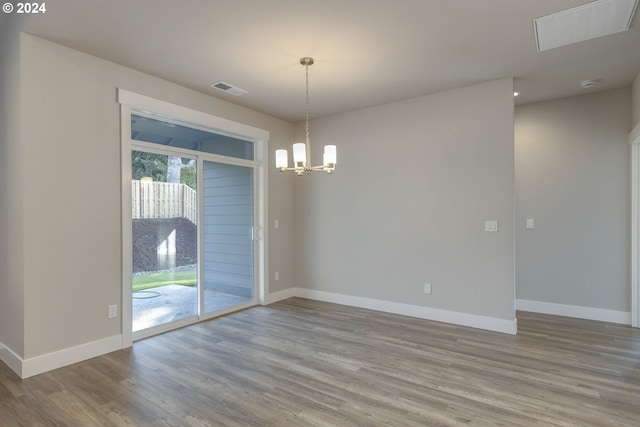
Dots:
{"x": 163, "y": 200}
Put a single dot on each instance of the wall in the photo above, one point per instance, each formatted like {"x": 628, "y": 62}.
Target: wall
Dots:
{"x": 572, "y": 178}
{"x": 71, "y": 145}
{"x": 414, "y": 183}
{"x": 635, "y": 99}
{"x": 11, "y": 250}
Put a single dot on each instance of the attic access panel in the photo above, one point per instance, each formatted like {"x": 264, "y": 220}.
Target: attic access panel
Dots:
{"x": 588, "y": 21}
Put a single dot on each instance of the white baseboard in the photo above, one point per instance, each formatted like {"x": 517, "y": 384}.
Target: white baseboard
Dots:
{"x": 68, "y": 356}
{"x": 589, "y": 313}
{"x": 26, "y": 368}
{"x": 453, "y": 317}
{"x": 11, "y": 359}
{"x": 282, "y": 295}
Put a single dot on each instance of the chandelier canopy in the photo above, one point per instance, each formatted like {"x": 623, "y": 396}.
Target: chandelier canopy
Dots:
{"x": 301, "y": 150}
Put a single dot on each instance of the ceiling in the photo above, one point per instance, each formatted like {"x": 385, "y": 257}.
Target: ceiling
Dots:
{"x": 367, "y": 52}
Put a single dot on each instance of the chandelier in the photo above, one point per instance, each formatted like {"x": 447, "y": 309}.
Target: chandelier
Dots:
{"x": 301, "y": 150}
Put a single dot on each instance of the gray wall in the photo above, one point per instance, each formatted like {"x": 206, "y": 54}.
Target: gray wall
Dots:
{"x": 415, "y": 182}
{"x": 635, "y": 95}
{"x": 11, "y": 247}
{"x": 572, "y": 178}
{"x": 71, "y": 146}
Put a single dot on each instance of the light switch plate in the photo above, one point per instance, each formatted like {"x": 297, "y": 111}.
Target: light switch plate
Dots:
{"x": 530, "y": 224}
{"x": 491, "y": 225}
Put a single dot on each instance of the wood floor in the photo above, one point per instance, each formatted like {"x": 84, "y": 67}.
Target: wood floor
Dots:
{"x": 301, "y": 362}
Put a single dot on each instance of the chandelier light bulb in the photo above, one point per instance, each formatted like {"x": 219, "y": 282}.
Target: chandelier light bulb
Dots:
{"x": 299, "y": 154}
{"x": 330, "y": 155}
{"x": 282, "y": 159}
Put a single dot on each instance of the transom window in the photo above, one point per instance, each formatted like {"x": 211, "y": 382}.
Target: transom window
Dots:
{"x": 174, "y": 135}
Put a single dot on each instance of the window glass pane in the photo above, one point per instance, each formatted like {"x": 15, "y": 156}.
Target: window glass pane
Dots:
{"x": 228, "y": 246}
{"x": 164, "y": 133}
{"x": 164, "y": 202}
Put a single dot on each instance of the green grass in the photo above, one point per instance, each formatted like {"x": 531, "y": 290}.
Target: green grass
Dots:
{"x": 153, "y": 280}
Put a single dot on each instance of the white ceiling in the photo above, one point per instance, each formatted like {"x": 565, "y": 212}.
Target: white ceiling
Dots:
{"x": 366, "y": 52}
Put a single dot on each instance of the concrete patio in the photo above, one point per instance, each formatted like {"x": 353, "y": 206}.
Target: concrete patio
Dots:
{"x": 165, "y": 304}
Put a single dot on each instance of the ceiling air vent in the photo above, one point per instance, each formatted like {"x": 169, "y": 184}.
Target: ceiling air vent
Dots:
{"x": 227, "y": 88}
{"x": 586, "y": 22}
{"x": 588, "y": 84}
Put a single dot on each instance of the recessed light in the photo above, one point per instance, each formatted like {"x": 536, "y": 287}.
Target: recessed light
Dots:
{"x": 516, "y": 93}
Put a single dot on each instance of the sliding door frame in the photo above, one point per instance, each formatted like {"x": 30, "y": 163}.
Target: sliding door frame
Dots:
{"x": 134, "y": 103}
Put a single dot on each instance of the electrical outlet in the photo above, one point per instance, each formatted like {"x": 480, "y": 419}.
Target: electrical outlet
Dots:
{"x": 427, "y": 288}
{"x": 276, "y": 276}
{"x": 113, "y": 311}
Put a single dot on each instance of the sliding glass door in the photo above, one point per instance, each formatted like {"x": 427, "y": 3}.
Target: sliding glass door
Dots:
{"x": 193, "y": 221}
{"x": 164, "y": 235}
{"x": 227, "y": 242}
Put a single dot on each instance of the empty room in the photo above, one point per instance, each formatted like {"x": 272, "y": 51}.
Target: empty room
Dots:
{"x": 320, "y": 213}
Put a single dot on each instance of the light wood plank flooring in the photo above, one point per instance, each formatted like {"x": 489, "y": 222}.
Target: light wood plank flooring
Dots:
{"x": 301, "y": 362}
